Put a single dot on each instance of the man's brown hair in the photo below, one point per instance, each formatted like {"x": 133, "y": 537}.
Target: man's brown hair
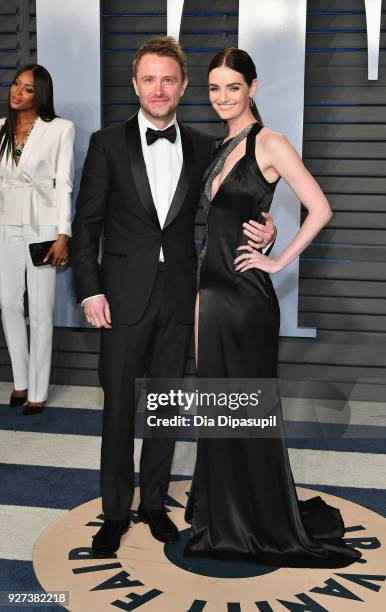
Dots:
{"x": 164, "y": 46}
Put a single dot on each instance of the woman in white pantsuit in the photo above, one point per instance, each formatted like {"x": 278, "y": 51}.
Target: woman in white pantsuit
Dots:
{"x": 36, "y": 181}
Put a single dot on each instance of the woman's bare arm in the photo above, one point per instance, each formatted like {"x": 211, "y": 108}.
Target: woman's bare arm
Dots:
{"x": 284, "y": 159}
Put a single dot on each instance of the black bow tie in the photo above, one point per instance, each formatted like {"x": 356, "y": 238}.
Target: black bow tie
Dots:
{"x": 170, "y": 134}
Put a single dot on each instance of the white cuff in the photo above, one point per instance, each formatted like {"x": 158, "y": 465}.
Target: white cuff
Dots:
{"x": 91, "y": 297}
{"x": 264, "y": 249}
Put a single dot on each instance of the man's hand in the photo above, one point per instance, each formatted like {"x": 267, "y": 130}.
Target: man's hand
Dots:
{"x": 260, "y": 235}
{"x": 97, "y": 311}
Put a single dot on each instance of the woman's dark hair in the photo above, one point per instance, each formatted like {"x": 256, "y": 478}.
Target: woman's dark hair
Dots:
{"x": 241, "y": 62}
{"x": 44, "y": 103}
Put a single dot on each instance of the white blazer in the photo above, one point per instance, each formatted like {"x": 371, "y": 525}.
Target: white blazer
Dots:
{"x": 38, "y": 190}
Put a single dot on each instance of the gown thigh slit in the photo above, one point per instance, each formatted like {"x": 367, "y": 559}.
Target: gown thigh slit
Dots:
{"x": 243, "y": 502}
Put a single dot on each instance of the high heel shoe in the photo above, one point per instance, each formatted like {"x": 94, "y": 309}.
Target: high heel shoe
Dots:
{"x": 33, "y": 409}
{"x": 17, "y": 400}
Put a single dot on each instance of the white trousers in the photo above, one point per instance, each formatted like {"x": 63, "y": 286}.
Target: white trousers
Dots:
{"x": 31, "y": 369}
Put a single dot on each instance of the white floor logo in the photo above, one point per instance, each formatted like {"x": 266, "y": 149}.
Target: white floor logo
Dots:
{"x": 146, "y": 575}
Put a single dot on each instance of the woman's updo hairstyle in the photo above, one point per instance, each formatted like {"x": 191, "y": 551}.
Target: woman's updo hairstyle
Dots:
{"x": 240, "y": 61}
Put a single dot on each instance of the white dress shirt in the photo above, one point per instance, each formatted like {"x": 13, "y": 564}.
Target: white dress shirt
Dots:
{"x": 163, "y": 161}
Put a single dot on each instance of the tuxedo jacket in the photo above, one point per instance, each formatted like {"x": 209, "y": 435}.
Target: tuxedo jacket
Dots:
{"x": 115, "y": 203}
{"x": 38, "y": 190}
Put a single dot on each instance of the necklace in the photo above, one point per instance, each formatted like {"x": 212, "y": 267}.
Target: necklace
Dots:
{"x": 19, "y": 146}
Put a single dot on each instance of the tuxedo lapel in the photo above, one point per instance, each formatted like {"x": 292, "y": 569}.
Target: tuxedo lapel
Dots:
{"x": 138, "y": 168}
{"x": 185, "y": 176}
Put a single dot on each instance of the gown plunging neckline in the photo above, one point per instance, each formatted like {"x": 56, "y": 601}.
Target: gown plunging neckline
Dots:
{"x": 259, "y": 171}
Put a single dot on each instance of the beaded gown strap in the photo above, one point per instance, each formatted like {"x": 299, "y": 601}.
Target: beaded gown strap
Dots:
{"x": 213, "y": 171}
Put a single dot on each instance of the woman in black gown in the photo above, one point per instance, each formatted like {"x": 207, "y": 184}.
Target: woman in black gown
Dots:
{"x": 243, "y": 502}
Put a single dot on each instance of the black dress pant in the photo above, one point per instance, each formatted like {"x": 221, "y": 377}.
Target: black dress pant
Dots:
{"x": 156, "y": 346}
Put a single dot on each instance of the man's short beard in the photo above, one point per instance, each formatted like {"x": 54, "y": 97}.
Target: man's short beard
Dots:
{"x": 160, "y": 115}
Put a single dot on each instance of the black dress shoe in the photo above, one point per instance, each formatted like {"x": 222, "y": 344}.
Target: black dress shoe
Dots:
{"x": 16, "y": 400}
{"x": 108, "y": 538}
{"x": 161, "y": 527}
{"x": 28, "y": 410}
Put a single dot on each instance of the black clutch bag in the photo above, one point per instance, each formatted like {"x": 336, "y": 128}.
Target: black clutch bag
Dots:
{"x": 38, "y": 252}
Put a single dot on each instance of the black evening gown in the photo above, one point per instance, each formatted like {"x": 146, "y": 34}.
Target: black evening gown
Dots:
{"x": 243, "y": 502}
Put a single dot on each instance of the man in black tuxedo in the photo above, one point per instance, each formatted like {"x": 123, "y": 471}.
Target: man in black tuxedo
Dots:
{"x": 139, "y": 189}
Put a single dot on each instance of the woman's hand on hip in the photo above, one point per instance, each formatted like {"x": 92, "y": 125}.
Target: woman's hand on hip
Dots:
{"x": 58, "y": 253}
{"x": 253, "y": 259}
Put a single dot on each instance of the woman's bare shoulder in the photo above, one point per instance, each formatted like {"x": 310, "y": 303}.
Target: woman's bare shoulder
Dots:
{"x": 274, "y": 144}
{"x": 269, "y": 138}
